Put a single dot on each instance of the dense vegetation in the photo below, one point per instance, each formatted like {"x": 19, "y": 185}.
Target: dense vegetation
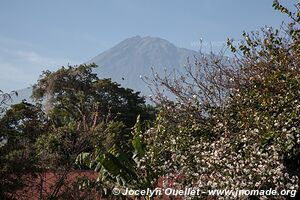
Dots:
{"x": 81, "y": 113}
{"x": 234, "y": 124}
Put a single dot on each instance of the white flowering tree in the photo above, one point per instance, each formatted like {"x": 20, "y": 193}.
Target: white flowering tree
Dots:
{"x": 235, "y": 124}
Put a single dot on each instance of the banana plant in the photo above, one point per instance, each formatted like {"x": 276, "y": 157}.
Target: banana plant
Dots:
{"x": 115, "y": 167}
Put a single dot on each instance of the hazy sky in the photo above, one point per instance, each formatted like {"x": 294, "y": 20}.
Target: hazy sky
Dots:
{"x": 36, "y": 35}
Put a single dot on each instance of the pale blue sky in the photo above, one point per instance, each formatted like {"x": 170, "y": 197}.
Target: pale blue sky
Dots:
{"x": 36, "y": 35}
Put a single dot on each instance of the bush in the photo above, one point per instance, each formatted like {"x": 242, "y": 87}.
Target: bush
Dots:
{"x": 235, "y": 123}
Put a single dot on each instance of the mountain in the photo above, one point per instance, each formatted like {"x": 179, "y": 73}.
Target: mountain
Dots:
{"x": 132, "y": 58}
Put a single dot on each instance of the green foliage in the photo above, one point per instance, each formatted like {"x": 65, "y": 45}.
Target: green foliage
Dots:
{"x": 84, "y": 111}
{"x": 82, "y": 114}
{"x": 75, "y": 93}
{"x": 59, "y": 148}
{"x": 234, "y": 127}
{"x": 136, "y": 141}
{"x": 116, "y": 166}
{"x": 176, "y": 129}
{"x": 252, "y": 133}
{"x": 19, "y": 128}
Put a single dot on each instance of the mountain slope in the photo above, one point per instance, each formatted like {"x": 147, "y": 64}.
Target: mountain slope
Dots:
{"x": 130, "y": 59}
{"x": 135, "y": 56}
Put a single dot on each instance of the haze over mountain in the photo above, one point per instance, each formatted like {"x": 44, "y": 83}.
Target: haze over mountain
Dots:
{"x": 132, "y": 58}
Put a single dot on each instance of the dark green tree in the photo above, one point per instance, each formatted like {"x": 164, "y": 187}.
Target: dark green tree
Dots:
{"x": 76, "y": 93}
{"x": 87, "y": 114}
{"x": 19, "y": 128}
